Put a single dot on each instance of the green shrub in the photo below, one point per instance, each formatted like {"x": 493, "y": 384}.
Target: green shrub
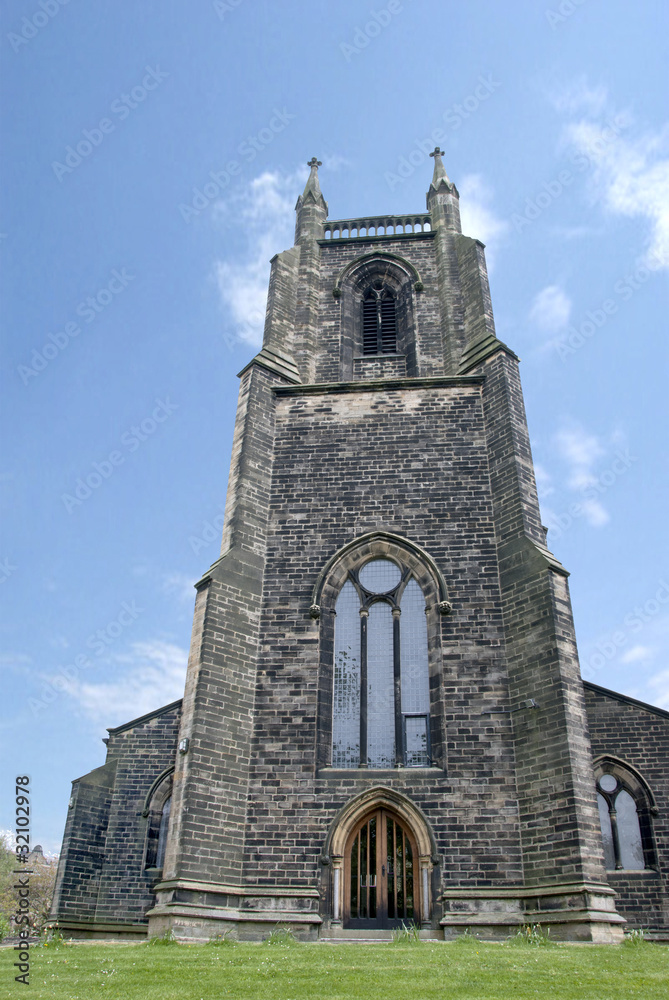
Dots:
{"x": 221, "y": 939}
{"x": 406, "y": 934}
{"x": 531, "y": 934}
{"x": 467, "y": 939}
{"x": 53, "y": 938}
{"x": 167, "y": 938}
{"x": 281, "y": 936}
{"x": 635, "y": 939}
{"x": 42, "y": 883}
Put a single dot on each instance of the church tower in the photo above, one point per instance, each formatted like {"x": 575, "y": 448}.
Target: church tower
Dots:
{"x": 383, "y": 716}
{"x": 384, "y": 719}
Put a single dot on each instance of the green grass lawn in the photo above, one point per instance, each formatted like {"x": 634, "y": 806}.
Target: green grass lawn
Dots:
{"x": 350, "y": 972}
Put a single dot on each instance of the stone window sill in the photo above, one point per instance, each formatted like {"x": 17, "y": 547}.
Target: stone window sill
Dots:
{"x": 367, "y": 772}
{"x": 632, "y": 871}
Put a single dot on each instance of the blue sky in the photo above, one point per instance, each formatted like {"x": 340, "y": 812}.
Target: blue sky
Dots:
{"x": 134, "y": 267}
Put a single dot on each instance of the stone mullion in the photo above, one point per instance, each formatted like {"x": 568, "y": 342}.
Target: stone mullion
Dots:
{"x": 613, "y": 815}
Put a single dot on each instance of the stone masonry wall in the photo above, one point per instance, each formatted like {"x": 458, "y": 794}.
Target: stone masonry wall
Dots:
{"x": 208, "y": 826}
{"x": 413, "y": 461}
{"x": 335, "y": 254}
{"x": 559, "y": 817}
{"x": 101, "y": 875}
{"x": 639, "y": 736}
{"x": 142, "y": 750}
{"x": 83, "y": 851}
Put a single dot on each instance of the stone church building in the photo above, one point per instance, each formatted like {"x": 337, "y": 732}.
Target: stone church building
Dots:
{"x": 384, "y": 719}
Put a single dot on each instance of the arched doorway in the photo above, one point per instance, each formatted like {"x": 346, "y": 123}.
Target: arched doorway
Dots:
{"x": 409, "y": 831}
{"x": 381, "y": 873}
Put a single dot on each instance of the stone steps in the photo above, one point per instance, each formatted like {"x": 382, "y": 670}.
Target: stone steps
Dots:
{"x": 350, "y": 936}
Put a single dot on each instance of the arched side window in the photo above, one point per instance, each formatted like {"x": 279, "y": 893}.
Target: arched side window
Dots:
{"x": 381, "y": 696}
{"x": 157, "y": 814}
{"x": 162, "y": 832}
{"x": 379, "y": 320}
{"x": 625, "y": 817}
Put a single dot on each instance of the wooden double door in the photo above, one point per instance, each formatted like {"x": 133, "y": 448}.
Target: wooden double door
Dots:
{"x": 381, "y": 883}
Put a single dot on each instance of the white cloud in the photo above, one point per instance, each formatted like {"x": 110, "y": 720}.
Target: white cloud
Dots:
{"x": 335, "y": 162}
{"x": 150, "y": 675}
{"x": 595, "y": 513}
{"x": 59, "y": 642}
{"x": 631, "y": 655}
{"x": 551, "y": 309}
{"x": 579, "y": 454}
{"x": 18, "y": 663}
{"x": 654, "y": 655}
{"x": 579, "y": 96}
{"x": 659, "y": 686}
{"x": 637, "y": 654}
{"x": 181, "y": 586}
{"x": 477, "y": 217}
{"x": 544, "y": 481}
{"x": 265, "y": 209}
{"x": 630, "y": 175}
{"x": 575, "y": 232}
{"x": 580, "y": 450}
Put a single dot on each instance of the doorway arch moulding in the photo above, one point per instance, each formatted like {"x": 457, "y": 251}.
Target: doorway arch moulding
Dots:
{"x": 379, "y": 797}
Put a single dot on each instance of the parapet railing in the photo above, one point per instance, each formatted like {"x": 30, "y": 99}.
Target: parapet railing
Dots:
{"x": 376, "y": 225}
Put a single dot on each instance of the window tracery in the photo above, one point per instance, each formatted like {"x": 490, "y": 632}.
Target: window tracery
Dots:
{"x": 381, "y": 709}
{"x": 624, "y": 816}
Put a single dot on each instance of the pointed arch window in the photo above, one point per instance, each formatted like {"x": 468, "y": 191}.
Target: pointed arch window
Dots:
{"x": 624, "y": 816}
{"x": 379, "y": 321}
{"x": 381, "y": 698}
{"x": 157, "y": 814}
{"x": 162, "y": 832}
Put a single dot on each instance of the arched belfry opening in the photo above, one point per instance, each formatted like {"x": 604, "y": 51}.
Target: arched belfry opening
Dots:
{"x": 377, "y": 317}
{"x": 381, "y": 853}
{"x": 379, "y": 320}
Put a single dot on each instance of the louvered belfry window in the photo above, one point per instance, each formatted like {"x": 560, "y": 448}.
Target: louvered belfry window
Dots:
{"x": 379, "y": 322}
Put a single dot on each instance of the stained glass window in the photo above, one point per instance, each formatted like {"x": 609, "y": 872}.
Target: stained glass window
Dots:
{"x": 607, "y": 832}
{"x": 374, "y": 638}
{"x": 380, "y": 576}
{"x": 162, "y": 835}
{"x": 413, "y": 633}
{"x": 380, "y": 697}
{"x": 629, "y": 832}
{"x": 346, "y": 706}
{"x": 619, "y": 820}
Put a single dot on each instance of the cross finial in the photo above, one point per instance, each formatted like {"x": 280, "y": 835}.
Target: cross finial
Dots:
{"x": 437, "y": 151}
{"x": 313, "y": 162}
